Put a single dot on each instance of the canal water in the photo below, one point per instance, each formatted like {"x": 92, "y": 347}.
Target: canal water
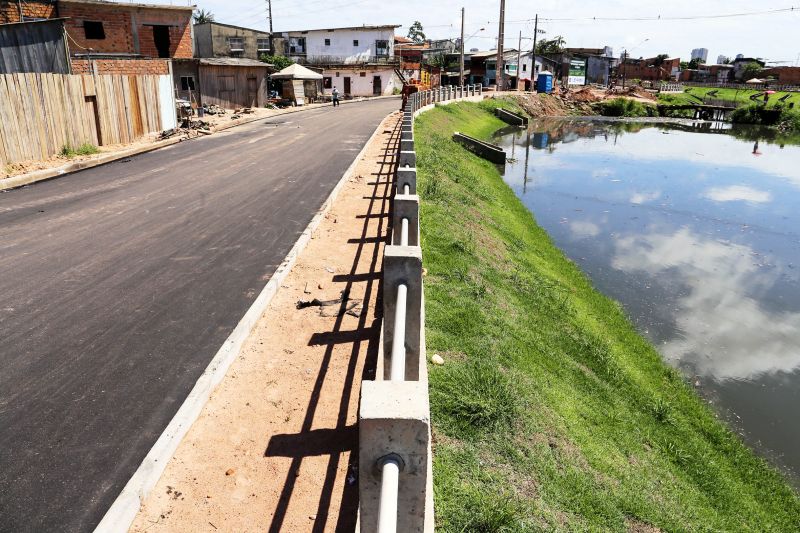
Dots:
{"x": 695, "y": 230}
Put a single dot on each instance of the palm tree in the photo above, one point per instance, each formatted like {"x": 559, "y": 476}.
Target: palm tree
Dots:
{"x": 203, "y": 16}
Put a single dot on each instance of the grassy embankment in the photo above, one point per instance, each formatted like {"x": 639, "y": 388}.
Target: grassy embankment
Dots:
{"x": 550, "y": 411}
{"x": 777, "y": 112}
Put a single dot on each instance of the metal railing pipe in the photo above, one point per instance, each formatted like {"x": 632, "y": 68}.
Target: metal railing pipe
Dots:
{"x": 406, "y": 189}
{"x": 398, "y": 368}
{"x": 404, "y": 233}
{"x": 387, "y": 508}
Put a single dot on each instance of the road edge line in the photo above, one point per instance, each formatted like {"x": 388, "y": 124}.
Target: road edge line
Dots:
{"x": 120, "y": 516}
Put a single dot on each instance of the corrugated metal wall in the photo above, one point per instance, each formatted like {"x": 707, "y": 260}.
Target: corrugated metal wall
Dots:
{"x": 33, "y": 47}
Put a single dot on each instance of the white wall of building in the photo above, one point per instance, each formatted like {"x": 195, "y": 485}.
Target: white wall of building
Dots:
{"x": 363, "y": 85}
{"x": 342, "y": 43}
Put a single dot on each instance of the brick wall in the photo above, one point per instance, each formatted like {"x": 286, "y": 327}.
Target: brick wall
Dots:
{"x": 119, "y": 21}
{"x": 122, "y": 66}
{"x": 9, "y": 10}
{"x": 784, "y": 75}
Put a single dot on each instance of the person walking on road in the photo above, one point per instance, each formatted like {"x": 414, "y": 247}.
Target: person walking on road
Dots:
{"x": 335, "y": 94}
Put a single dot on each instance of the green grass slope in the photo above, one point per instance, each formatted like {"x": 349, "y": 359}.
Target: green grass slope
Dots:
{"x": 550, "y": 411}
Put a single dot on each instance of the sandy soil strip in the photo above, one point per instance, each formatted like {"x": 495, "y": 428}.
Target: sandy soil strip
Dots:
{"x": 273, "y": 448}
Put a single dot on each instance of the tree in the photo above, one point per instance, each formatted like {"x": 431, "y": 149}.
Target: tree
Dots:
{"x": 203, "y": 16}
{"x": 751, "y": 70}
{"x": 279, "y": 62}
{"x": 551, "y": 46}
{"x": 415, "y": 32}
{"x": 659, "y": 59}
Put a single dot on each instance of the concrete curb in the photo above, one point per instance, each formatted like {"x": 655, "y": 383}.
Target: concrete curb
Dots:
{"x": 123, "y": 511}
{"x": 21, "y": 180}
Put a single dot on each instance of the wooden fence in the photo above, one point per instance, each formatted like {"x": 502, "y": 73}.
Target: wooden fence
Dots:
{"x": 42, "y": 113}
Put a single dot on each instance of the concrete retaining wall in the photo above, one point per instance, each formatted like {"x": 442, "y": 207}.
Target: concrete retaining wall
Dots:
{"x": 488, "y": 151}
{"x": 511, "y": 118}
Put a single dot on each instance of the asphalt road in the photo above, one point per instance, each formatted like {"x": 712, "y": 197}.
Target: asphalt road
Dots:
{"x": 119, "y": 284}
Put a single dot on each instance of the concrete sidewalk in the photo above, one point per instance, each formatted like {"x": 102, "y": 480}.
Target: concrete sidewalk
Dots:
{"x": 273, "y": 448}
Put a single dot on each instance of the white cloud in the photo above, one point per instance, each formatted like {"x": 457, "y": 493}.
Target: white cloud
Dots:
{"x": 736, "y": 193}
{"x": 643, "y": 197}
{"x": 725, "y": 332}
{"x": 583, "y": 229}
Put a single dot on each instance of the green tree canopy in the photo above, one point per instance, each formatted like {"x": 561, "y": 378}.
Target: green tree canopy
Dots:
{"x": 659, "y": 59}
{"x": 280, "y": 62}
{"x": 415, "y": 32}
{"x": 203, "y": 16}
{"x": 751, "y": 70}
{"x": 551, "y": 46}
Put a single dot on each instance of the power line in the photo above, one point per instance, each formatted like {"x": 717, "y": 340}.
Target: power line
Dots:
{"x": 657, "y": 18}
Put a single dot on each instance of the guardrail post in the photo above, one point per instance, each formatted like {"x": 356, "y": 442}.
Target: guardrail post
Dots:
{"x": 407, "y": 145}
{"x": 407, "y": 159}
{"x": 402, "y": 265}
{"x": 406, "y": 206}
{"x": 480, "y": 89}
{"x": 407, "y": 176}
{"x": 394, "y": 425}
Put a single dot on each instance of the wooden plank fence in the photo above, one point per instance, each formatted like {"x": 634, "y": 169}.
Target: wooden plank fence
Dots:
{"x": 42, "y": 113}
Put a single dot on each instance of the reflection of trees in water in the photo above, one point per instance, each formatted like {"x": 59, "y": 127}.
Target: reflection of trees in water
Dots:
{"x": 548, "y": 132}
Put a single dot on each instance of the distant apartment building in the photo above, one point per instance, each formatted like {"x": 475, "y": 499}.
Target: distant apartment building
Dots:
{"x": 701, "y": 54}
{"x": 357, "y": 60}
{"x": 722, "y": 59}
{"x": 214, "y": 39}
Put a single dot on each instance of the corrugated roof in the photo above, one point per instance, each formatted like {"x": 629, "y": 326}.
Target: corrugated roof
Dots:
{"x": 233, "y": 62}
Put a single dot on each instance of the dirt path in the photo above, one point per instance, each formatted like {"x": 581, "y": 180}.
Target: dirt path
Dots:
{"x": 272, "y": 450}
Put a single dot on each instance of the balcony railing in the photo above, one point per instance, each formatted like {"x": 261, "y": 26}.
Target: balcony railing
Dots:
{"x": 305, "y": 59}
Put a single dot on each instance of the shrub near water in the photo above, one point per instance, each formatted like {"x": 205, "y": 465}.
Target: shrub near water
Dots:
{"x": 625, "y": 107}
{"x": 551, "y": 412}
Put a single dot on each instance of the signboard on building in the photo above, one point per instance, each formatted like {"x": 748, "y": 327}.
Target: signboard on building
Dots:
{"x": 577, "y": 72}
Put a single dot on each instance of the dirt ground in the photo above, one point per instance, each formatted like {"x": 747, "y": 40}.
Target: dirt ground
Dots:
{"x": 273, "y": 448}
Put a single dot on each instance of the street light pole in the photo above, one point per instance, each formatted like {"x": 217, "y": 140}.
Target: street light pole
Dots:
{"x": 461, "y": 72}
{"x": 519, "y": 55}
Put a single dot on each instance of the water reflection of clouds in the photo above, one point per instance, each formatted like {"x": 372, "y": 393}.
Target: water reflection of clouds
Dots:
{"x": 737, "y": 193}
{"x": 726, "y": 333}
{"x": 644, "y": 197}
{"x": 582, "y": 229}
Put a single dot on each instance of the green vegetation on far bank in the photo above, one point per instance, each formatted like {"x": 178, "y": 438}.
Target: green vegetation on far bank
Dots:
{"x": 550, "y": 411}
{"x": 626, "y": 107}
{"x": 697, "y": 95}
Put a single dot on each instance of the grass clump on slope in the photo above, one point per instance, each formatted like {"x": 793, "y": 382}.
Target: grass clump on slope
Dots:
{"x": 550, "y": 411}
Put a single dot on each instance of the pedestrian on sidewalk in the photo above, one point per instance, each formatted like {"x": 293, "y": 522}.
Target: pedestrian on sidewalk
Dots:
{"x": 335, "y": 94}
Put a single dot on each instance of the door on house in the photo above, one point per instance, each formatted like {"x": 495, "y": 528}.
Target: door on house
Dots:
{"x": 252, "y": 91}
{"x": 161, "y": 40}
{"x": 347, "y": 85}
{"x": 376, "y": 86}
{"x": 226, "y": 92}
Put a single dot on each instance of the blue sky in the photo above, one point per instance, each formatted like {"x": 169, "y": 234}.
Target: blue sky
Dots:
{"x": 770, "y": 36}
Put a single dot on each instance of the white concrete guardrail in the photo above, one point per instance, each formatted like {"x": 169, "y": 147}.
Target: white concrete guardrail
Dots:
{"x": 395, "y": 479}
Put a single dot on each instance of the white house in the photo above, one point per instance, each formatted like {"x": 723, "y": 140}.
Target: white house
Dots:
{"x": 358, "y": 60}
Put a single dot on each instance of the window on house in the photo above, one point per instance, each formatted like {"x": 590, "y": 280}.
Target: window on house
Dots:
{"x": 187, "y": 83}
{"x": 355, "y": 42}
{"x": 262, "y": 45}
{"x": 327, "y": 82}
{"x": 296, "y": 45}
{"x": 362, "y": 74}
{"x": 382, "y": 48}
{"x": 93, "y": 29}
{"x": 327, "y": 42}
{"x": 161, "y": 40}
{"x": 524, "y": 67}
{"x": 236, "y": 44}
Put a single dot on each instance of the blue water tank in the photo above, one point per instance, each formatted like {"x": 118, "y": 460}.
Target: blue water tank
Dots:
{"x": 544, "y": 82}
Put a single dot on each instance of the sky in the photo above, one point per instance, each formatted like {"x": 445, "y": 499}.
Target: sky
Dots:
{"x": 769, "y": 36}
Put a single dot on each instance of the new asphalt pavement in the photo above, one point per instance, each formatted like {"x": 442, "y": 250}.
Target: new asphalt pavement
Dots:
{"x": 118, "y": 284}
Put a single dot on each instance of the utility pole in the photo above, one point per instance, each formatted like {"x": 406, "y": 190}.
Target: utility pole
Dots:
{"x": 519, "y": 55}
{"x": 500, "y": 33}
{"x": 533, "y": 51}
{"x": 461, "y": 74}
{"x": 269, "y": 14}
{"x": 19, "y": 7}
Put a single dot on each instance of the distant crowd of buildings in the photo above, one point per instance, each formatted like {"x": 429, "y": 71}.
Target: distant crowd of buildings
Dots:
{"x": 220, "y": 63}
